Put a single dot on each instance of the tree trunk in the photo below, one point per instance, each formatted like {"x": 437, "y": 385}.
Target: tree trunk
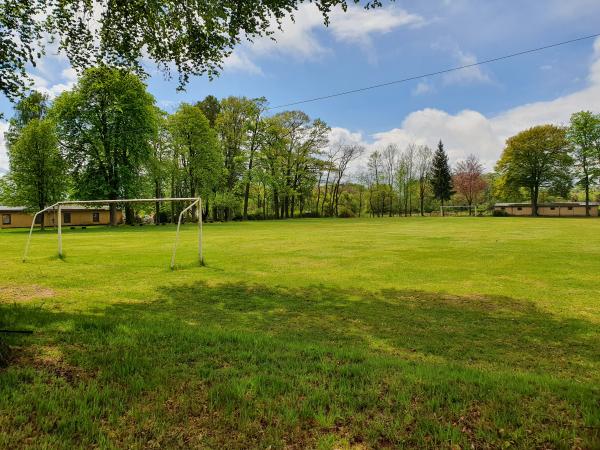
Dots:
{"x": 319, "y": 191}
{"x": 534, "y": 202}
{"x": 113, "y": 214}
{"x": 129, "y": 214}
{"x": 587, "y": 190}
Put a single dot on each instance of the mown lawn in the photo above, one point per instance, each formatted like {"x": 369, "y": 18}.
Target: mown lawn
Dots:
{"x": 400, "y": 333}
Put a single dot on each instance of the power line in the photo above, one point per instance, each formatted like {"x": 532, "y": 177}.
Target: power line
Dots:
{"x": 439, "y": 72}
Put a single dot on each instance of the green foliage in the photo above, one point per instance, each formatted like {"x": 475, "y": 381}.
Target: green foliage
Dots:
{"x": 194, "y": 36}
{"x": 441, "y": 175}
{"x": 211, "y": 108}
{"x": 197, "y": 158}
{"x": 537, "y": 158}
{"x": 38, "y": 172}
{"x": 105, "y": 126}
{"x": 584, "y": 135}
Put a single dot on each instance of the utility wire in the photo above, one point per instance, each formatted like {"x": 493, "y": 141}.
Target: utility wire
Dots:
{"x": 439, "y": 72}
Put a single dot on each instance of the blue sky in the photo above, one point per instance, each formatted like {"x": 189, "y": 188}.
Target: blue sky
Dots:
{"x": 473, "y": 111}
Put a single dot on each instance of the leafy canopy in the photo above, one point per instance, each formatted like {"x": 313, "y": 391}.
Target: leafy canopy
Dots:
{"x": 194, "y": 36}
{"x": 537, "y": 158}
{"x": 105, "y": 126}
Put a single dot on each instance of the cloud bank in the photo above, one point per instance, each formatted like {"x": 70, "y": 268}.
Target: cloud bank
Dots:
{"x": 470, "y": 131}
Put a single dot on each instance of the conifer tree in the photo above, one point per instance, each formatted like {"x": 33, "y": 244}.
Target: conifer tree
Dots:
{"x": 441, "y": 176}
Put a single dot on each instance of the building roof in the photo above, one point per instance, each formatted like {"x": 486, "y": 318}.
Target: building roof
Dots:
{"x": 12, "y": 208}
{"x": 64, "y": 208}
{"x": 549, "y": 204}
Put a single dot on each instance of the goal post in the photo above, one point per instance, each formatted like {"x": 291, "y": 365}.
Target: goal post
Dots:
{"x": 195, "y": 201}
{"x": 459, "y": 207}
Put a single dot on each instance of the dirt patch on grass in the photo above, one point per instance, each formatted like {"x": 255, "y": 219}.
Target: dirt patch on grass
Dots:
{"x": 49, "y": 360}
{"x": 4, "y": 353}
{"x": 15, "y": 293}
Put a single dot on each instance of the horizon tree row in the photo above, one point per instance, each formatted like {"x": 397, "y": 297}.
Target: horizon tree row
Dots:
{"x": 106, "y": 138}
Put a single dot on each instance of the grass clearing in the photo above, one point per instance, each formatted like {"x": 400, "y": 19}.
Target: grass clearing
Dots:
{"x": 318, "y": 333}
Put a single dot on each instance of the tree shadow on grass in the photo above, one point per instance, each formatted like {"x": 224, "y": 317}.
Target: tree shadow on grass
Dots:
{"x": 240, "y": 365}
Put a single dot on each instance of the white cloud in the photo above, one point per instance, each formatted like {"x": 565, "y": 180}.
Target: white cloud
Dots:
{"x": 358, "y": 24}
{"x": 298, "y": 39}
{"x": 472, "y": 74}
{"x": 470, "y": 131}
{"x": 3, "y": 153}
{"x": 238, "y": 61}
{"x": 422, "y": 88}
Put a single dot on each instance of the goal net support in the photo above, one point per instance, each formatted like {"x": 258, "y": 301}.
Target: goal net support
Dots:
{"x": 57, "y": 208}
{"x": 458, "y": 208}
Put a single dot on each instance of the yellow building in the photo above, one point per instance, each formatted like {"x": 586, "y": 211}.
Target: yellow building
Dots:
{"x": 554, "y": 209}
{"x": 72, "y": 215}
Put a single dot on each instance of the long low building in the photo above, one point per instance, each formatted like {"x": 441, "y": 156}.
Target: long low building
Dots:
{"x": 553, "y": 209}
{"x": 72, "y": 215}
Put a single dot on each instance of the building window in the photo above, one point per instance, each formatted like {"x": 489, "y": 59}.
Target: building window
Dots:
{"x": 519, "y": 209}
{"x": 67, "y": 217}
{"x": 6, "y": 219}
{"x": 570, "y": 208}
{"x": 552, "y": 208}
{"x": 96, "y": 217}
{"x": 38, "y": 219}
{"x": 503, "y": 208}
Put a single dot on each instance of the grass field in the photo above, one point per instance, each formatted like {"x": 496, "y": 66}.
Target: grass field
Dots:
{"x": 402, "y": 333}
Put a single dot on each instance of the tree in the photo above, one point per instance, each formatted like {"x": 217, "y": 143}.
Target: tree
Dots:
{"x": 37, "y": 169}
{"x": 424, "y": 158}
{"x": 196, "y": 151}
{"x": 234, "y": 124}
{"x": 389, "y": 157}
{"x": 468, "y": 180}
{"x": 441, "y": 176}
{"x": 105, "y": 125}
{"x": 537, "y": 158}
{"x": 584, "y": 135}
{"x": 211, "y": 108}
{"x": 194, "y": 36}
{"x": 159, "y": 165}
{"x": 34, "y": 106}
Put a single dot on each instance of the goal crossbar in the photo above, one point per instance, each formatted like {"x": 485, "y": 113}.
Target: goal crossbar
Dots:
{"x": 467, "y": 207}
{"x": 195, "y": 201}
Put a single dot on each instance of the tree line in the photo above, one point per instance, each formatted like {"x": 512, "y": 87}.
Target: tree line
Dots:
{"x": 107, "y": 139}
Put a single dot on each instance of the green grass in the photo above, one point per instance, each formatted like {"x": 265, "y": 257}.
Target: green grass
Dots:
{"x": 409, "y": 333}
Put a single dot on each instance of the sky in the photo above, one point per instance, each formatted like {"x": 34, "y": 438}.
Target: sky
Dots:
{"x": 472, "y": 111}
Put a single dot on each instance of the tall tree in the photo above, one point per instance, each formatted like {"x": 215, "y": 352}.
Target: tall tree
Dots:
{"x": 196, "y": 151}
{"x": 468, "y": 180}
{"x": 441, "y": 175}
{"x": 233, "y": 124}
{"x": 584, "y": 135}
{"x": 37, "y": 169}
{"x": 159, "y": 165}
{"x": 34, "y": 106}
{"x": 194, "y": 36}
{"x": 211, "y": 107}
{"x": 389, "y": 157}
{"x": 105, "y": 125}
{"x": 537, "y": 158}
{"x": 423, "y": 168}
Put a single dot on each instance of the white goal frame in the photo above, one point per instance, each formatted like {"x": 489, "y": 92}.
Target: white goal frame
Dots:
{"x": 467, "y": 207}
{"x": 195, "y": 201}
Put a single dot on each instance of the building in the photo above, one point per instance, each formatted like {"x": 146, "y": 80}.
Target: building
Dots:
{"x": 553, "y": 209}
{"x": 72, "y": 215}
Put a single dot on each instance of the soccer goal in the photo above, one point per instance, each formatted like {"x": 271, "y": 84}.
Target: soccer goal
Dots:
{"x": 57, "y": 209}
{"x": 458, "y": 208}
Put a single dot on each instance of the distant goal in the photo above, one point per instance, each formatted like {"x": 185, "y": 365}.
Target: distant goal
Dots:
{"x": 456, "y": 210}
{"x": 57, "y": 208}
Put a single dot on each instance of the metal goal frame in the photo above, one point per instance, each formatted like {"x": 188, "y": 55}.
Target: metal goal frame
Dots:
{"x": 195, "y": 201}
